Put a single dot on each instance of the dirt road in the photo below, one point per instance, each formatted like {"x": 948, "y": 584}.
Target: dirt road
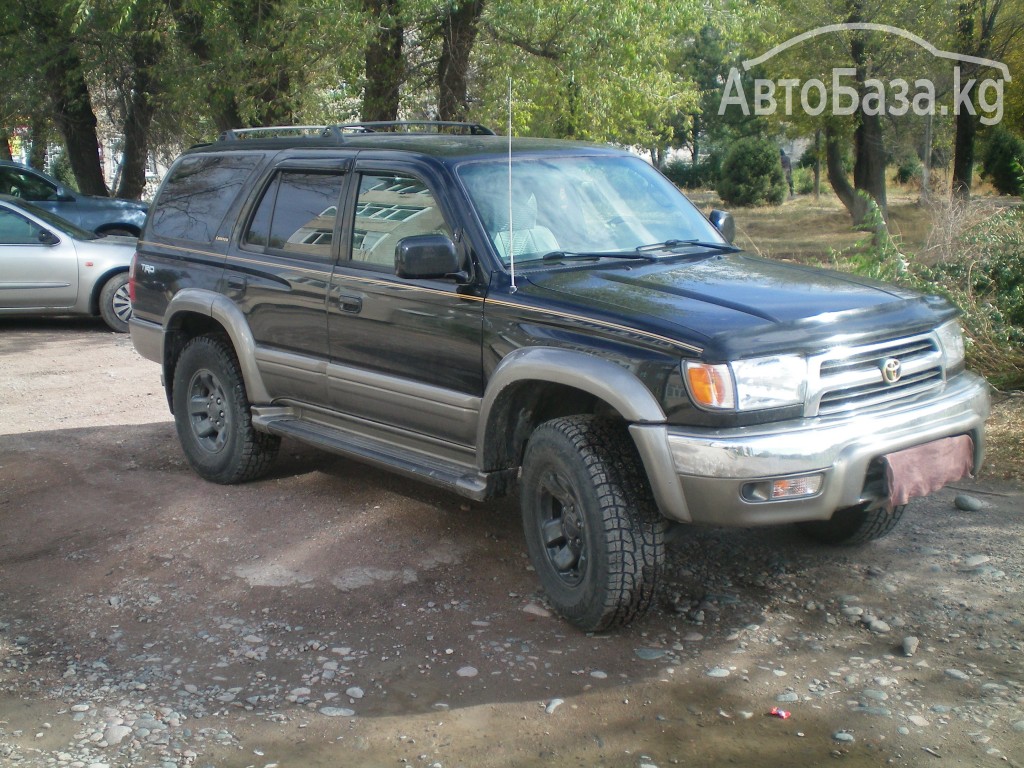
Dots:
{"x": 334, "y": 615}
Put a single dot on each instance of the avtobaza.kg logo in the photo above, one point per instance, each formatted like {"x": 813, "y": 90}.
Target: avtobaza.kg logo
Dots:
{"x": 896, "y": 97}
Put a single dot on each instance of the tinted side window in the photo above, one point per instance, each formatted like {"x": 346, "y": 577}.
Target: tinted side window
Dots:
{"x": 194, "y": 199}
{"x": 257, "y": 234}
{"x": 17, "y": 230}
{"x": 25, "y": 185}
{"x": 389, "y": 208}
{"x": 297, "y": 214}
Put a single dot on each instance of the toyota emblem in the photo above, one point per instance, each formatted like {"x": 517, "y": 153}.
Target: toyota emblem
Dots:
{"x": 892, "y": 370}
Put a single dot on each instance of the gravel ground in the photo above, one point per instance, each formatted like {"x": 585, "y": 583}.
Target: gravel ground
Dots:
{"x": 332, "y": 614}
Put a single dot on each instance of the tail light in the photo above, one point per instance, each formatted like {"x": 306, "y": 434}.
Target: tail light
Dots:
{"x": 131, "y": 277}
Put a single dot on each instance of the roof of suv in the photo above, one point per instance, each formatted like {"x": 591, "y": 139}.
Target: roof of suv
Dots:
{"x": 473, "y": 143}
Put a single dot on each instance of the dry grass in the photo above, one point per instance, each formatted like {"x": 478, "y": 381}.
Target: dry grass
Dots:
{"x": 1005, "y": 433}
{"x": 809, "y": 231}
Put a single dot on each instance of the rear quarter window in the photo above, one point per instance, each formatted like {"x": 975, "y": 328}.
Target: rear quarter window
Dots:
{"x": 196, "y": 195}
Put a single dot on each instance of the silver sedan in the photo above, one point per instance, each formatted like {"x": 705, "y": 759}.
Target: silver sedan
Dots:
{"x": 48, "y": 266}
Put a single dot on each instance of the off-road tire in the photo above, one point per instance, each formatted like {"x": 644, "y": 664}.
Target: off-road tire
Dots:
{"x": 593, "y": 530}
{"x": 212, "y": 416}
{"x": 854, "y": 525}
{"x": 115, "y": 306}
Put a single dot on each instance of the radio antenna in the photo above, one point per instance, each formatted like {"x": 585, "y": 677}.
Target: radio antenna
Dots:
{"x": 511, "y": 239}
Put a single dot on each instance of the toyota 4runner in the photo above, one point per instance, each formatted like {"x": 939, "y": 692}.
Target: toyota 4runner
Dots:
{"x": 489, "y": 315}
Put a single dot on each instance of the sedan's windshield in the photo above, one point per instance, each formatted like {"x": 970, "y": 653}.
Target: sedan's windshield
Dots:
{"x": 599, "y": 205}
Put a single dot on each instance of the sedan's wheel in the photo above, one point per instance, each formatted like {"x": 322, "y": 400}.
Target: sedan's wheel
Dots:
{"x": 212, "y": 417}
{"x": 854, "y": 525}
{"x": 594, "y": 534}
{"x": 115, "y": 304}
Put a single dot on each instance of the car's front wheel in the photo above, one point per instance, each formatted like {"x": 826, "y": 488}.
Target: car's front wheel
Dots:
{"x": 593, "y": 531}
{"x": 115, "y": 303}
{"x": 212, "y": 416}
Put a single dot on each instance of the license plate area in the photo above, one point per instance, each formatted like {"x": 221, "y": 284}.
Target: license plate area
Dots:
{"x": 924, "y": 469}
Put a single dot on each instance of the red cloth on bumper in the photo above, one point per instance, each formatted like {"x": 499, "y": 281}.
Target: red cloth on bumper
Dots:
{"x": 924, "y": 469}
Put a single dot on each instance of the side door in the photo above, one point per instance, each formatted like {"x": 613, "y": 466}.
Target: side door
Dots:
{"x": 33, "y": 273}
{"x": 405, "y": 353}
{"x": 280, "y": 272}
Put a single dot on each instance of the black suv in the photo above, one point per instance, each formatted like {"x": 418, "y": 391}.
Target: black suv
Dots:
{"x": 485, "y": 315}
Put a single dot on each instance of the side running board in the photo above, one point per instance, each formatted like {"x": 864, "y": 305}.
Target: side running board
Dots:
{"x": 462, "y": 479}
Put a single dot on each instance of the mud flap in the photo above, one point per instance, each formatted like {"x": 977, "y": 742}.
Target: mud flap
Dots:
{"x": 924, "y": 469}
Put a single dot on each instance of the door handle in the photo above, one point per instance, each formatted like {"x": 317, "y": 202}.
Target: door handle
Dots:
{"x": 349, "y": 303}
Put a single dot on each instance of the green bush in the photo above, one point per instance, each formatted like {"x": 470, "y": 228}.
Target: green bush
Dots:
{"x": 752, "y": 174}
{"x": 1002, "y": 150}
{"x": 808, "y": 160}
{"x": 692, "y": 176}
{"x": 908, "y": 170}
{"x": 803, "y": 180}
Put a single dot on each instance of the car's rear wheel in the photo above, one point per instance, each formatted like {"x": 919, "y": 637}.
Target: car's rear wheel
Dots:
{"x": 593, "y": 531}
{"x": 212, "y": 416}
{"x": 854, "y": 525}
{"x": 115, "y": 303}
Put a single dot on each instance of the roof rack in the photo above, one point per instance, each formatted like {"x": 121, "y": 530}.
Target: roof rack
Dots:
{"x": 340, "y": 131}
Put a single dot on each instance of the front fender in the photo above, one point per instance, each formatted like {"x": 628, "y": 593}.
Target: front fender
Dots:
{"x": 597, "y": 376}
{"x": 221, "y": 309}
{"x": 605, "y": 380}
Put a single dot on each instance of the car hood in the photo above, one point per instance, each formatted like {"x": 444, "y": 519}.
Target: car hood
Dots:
{"x": 752, "y": 305}
{"x": 111, "y": 203}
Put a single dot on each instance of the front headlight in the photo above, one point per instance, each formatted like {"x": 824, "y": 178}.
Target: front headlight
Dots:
{"x": 748, "y": 385}
{"x": 951, "y": 338}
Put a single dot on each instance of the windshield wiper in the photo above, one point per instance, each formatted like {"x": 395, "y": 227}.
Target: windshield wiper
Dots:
{"x": 671, "y": 244}
{"x": 569, "y": 255}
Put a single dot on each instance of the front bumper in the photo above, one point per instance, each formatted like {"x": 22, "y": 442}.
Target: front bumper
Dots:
{"x": 699, "y": 475}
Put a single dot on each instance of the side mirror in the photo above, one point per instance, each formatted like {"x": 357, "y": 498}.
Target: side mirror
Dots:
{"x": 724, "y": 223}
{"x": 421, "y": 257}
{"x": 63, "y": 196}
{"x": 46, "y": 237}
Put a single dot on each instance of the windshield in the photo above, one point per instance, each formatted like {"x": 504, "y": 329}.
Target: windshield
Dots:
{"x": 585, "y": 204}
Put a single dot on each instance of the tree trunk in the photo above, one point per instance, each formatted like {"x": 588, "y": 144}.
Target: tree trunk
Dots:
{"x": 869, "y": 148}
{"x": 458, "y": 34}
{"x": 869, "y": 165}
{"x": 694, "y": 143}
{"x": 76, "y": 121}
{"x": 926, "y": 160}
{"x": 963, "y": 155}
{"x": 5, "y": 146}
{"x": 65, "y": 84}
{"x": 966, "y": 125}
{"x": 384, "y": 62}
{"x": 817, "y": 164}
{"x": 567, "y": 123}
{"x": 836, "y": 175}
{"x": 146, "y": 51}
{"x": 39, "y": 144}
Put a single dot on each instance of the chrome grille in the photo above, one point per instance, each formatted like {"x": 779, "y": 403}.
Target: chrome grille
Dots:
{"x": 850, "y": 379}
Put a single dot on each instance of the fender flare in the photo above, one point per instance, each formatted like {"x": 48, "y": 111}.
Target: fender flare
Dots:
{"x": 220, "y": 308}
{"x": 598, "y": 376}
{"x": 608, "y": 381}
